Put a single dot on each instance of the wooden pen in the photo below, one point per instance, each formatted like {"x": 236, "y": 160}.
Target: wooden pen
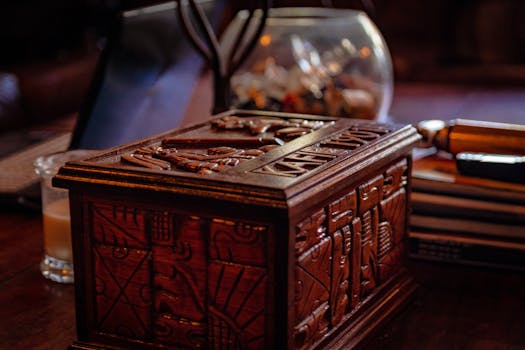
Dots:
{"x": 464, "y": 135}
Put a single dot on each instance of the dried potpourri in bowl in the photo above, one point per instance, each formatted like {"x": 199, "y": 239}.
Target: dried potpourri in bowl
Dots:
{"x": 315, "y": 61}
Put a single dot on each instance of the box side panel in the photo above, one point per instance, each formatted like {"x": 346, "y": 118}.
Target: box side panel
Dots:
{"x": 157, "y": 276}
{"x": 346, "y": 247}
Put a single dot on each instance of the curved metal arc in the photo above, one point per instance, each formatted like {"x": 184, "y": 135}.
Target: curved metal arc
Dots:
{"x": 207, "y": 44}
{"x": 209, "y": 35}
{"x": 239, "y": 38}
{"x": 192, "y": 34}
{"x": 236, "y": 60}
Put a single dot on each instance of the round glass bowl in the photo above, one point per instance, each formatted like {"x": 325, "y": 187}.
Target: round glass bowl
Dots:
{"x": 317, "y": 61}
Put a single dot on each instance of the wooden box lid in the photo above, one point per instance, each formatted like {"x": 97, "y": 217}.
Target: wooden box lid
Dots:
{"x": 247, "y": 156}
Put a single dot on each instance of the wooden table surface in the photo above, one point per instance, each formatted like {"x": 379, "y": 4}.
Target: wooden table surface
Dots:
{"x": 458, "y": 307}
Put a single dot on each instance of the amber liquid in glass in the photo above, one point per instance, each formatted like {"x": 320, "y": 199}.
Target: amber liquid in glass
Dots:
{"x": 57, "y": 230}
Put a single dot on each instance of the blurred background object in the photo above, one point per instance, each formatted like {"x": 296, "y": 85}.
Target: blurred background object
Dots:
{"x": 145, "y": 78}
{"x": 49, "y": 51}
{"x": 341, "y": 68}
{"x": 447, "y": 41}
{"x": 51, "y": 48}
{"x": 9, "y": 99}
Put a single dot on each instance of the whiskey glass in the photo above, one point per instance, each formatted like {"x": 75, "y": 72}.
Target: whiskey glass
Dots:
{"x": 57, "y": 264}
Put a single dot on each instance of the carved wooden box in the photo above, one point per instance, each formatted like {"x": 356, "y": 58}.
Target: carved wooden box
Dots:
{"x": 252, "y": 231}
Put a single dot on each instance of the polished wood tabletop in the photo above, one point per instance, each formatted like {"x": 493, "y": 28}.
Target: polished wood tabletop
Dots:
{"x": 457, "y": 307}
{"x": 36, "y": 313}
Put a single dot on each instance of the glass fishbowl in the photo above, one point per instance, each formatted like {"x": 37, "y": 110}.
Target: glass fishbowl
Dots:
{"x": 316, "y": 61}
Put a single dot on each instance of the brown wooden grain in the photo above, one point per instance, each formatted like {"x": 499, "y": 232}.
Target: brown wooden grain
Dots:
{"x": 36, "y": 313}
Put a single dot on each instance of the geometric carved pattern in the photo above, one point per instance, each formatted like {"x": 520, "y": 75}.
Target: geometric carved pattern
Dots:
{"x": 237, "y": 285}
{"x": 122, "y": 272}
{"x": 193, "y": 282}
{"x": 391, "y": 233}
{"x": 260, "y": 134}
{"x": 311, "y": 157}
{"x": 238, "y": 242}
{"x": 340, "y": 274}
{"x": 297, "y": 163}
{"x": 369, "y": 252}
{"x": 370, "y": 193}
{"x": 210, "y": 155}
{"x": 342, "y": 211}
{"x": 392, "y": 211}
{"x": 310, "y": 232}
{"x": 395, "y": 178}
{"x": 118, "y": 226}
{"x": 308, "y": 330}
{"x": 358, "y": 241}
{"x": 356, "y": 136}
{"x": 313, "y": 278}
{"x": 123, "y": 293}
{"x": 181, "y": 281}
{"x": 237, "y": 308}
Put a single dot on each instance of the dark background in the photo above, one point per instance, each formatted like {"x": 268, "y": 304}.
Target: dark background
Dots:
{"x": 50, "y": 48}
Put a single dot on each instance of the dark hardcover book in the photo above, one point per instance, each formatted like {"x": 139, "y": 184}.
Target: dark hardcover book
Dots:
{"x": 437, "y": 174}
{"x": 465, "y": 219}
{"x": 454, "y": 248}
{"x": 485, "y": 228}
{"x": 446, "y": 206}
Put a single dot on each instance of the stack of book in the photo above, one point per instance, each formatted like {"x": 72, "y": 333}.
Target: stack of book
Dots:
{"x": 464, "y": 219}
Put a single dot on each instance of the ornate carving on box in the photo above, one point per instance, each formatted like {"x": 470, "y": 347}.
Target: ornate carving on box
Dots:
{"x": 310, "y": 232}
{"x": 361, "y": 234}
{"x": 369, "y": 222}
{"x": 392, "y": 220}
{"x": 312, "y": 292}
{"x": 237, "y": 285}
{"x": 237, "y": 306}
{"x": 298, "y": 163}
{"x": 355, "y": 270}
{"x": 340, "y": 274}
{"x": 123, "y": 294}
{"x": 257, "y": 135}
{"x": 210, "y": 277}
{"x": 179, "y": 262}
{"x": 216, "y": 153}
{"x": 312, "y": 157}
{"x": 250, "y": 231}
{"x": 179, "y": 280}
{"x": 358, "y": 135}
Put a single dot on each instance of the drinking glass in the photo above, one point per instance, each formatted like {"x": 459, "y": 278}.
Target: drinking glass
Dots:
{"x": 57, "y": 264}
